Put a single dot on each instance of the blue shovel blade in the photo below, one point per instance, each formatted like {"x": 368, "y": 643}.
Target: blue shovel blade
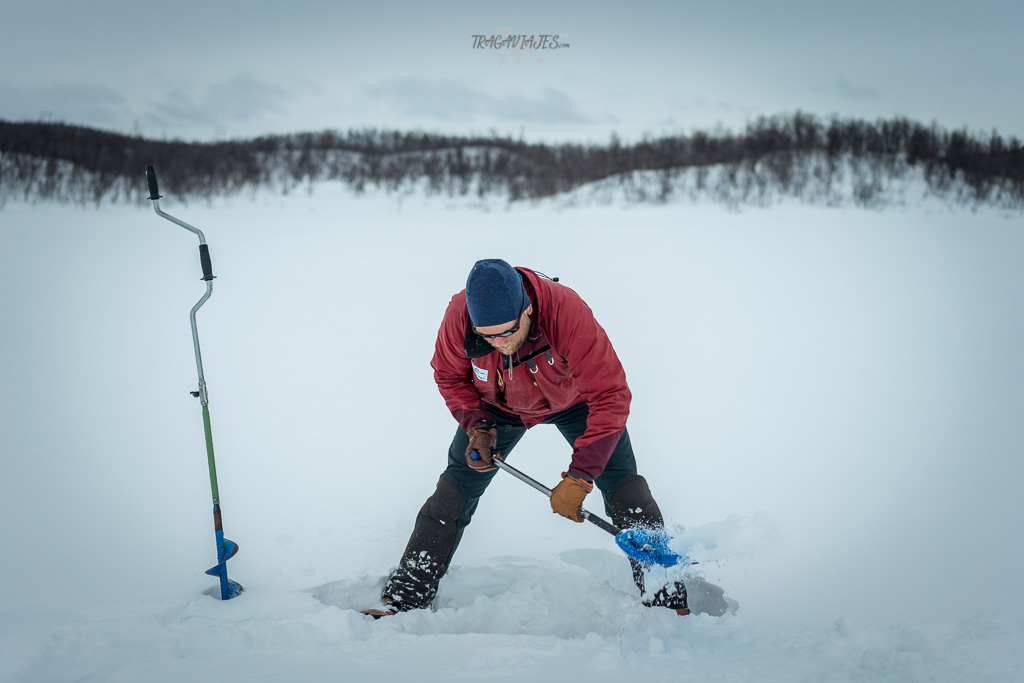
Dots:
{"x": 648, "y": 546}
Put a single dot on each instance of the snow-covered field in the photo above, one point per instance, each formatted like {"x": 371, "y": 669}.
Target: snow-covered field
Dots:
{"x": 827, "y": 403}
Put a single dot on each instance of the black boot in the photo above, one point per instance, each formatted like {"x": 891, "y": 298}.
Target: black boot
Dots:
{"x": 413, "y": 584}
{"x": 633, "y": 507}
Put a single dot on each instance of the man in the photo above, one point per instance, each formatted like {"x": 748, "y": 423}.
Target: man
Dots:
{"x": 515, "y": 350}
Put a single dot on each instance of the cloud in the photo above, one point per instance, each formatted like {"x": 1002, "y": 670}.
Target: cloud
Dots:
{"x": 452, "y": 100}
{"x": 238, "y": 99}
{"x": 243, "y": 98}
{"x": 850, "y": 91}
{"x": 94, "y": 104}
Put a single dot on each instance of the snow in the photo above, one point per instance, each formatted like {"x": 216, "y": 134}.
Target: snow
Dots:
{"x": 826, "y": 403}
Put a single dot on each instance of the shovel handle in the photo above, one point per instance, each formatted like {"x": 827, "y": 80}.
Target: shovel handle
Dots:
{"x": 599, "y": 522}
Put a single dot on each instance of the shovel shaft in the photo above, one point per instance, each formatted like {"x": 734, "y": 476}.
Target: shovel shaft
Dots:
{"x": 592, "y": 518}
{"x": 501, "y": 464}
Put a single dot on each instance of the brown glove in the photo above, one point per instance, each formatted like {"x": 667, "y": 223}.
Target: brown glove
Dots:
{"x": 567, "y": 497}
{"x": 481, "y": 441}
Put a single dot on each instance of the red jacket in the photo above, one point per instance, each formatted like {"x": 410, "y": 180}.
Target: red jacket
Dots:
{"x": 566, "y": 360}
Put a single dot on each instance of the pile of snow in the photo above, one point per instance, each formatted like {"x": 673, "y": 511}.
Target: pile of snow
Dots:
{"x": 510, "y": 619}
{"x": 826, "y": 403}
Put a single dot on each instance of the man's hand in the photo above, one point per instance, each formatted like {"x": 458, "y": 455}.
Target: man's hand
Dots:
{"x": 481, "y": 442}
{"x": 567, "y": 497}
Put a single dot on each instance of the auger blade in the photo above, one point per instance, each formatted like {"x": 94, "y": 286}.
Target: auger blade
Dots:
{"x": 648, "y": 546}
{"x": 226, "y": 549}
{"x": 228, "y": 588}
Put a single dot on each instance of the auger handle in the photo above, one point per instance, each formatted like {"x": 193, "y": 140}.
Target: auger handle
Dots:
{"x": 204, "y": 259}
{"x": 204, "y": 249}
{"x": 154, "y": 191}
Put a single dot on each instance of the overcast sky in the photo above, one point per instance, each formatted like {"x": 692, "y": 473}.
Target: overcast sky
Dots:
{"x": 204, "y": 70}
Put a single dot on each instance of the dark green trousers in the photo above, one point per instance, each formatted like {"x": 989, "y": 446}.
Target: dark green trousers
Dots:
{"x": 446, "y": 514}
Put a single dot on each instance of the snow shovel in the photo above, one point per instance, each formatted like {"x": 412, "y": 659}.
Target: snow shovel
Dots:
{"x": 646, "y": 546}
{"x": 226, "y": 548}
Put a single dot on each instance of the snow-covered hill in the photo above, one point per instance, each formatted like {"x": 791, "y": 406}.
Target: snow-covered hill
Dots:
{"x": 826, "y": 402}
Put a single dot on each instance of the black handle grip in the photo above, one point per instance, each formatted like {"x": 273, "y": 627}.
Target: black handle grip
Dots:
{"x": 154, "y": 191}
{"x": 601, "y": 524}
{"x": 204, "y": 258}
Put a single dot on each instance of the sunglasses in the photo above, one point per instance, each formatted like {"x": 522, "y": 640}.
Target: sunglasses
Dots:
{"x": 515, "y": 328}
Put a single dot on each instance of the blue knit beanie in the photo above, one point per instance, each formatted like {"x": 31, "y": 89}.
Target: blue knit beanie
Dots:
{"x": 495, "y": 293}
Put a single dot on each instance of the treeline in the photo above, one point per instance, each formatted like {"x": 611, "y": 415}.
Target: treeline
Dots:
{"x": 830, "y": 161}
